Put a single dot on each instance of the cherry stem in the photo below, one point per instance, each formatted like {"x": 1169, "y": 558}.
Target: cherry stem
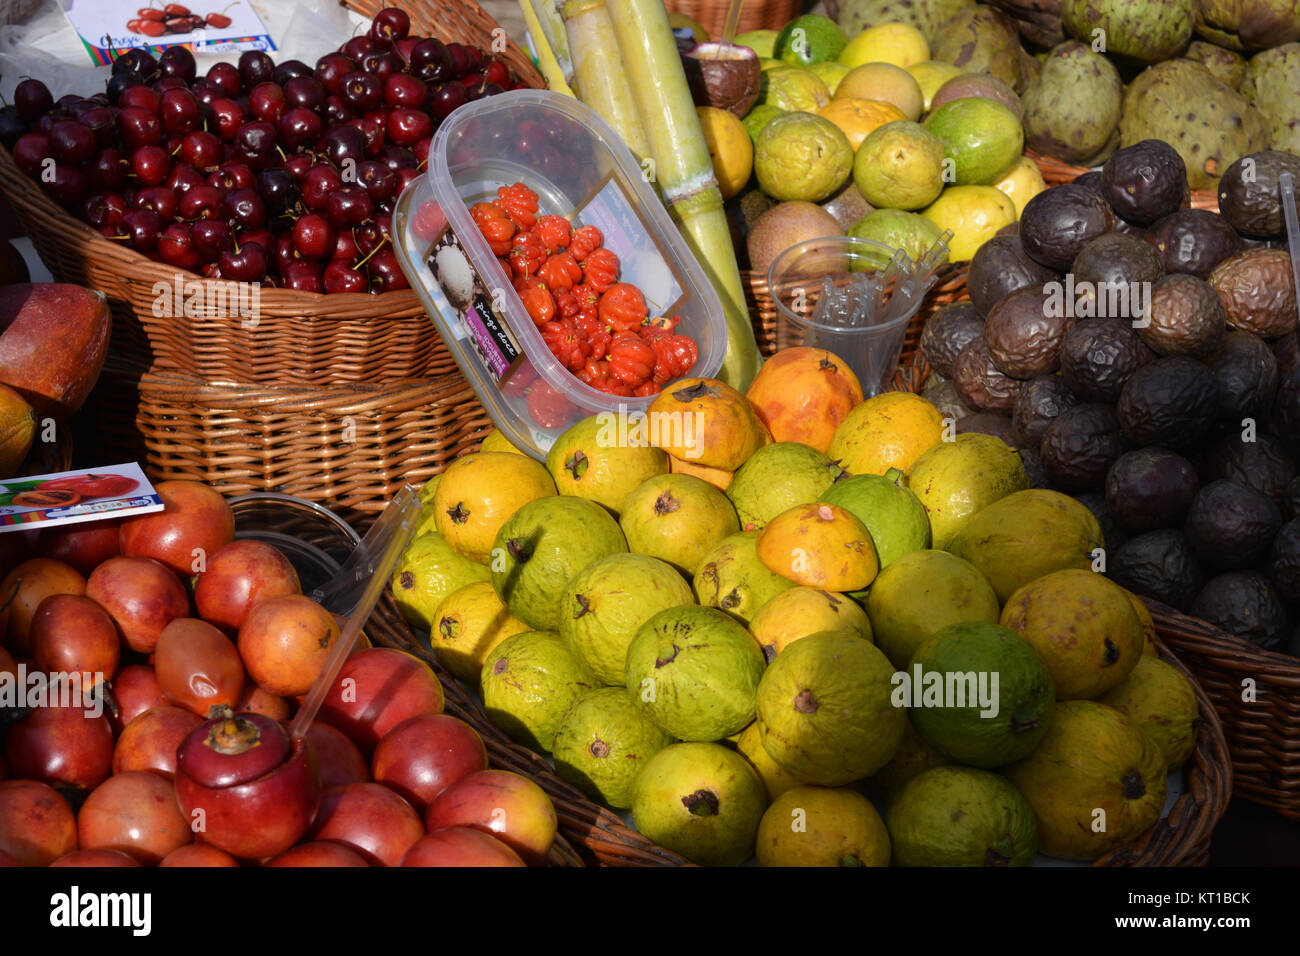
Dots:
{"x": 379, "y": 245}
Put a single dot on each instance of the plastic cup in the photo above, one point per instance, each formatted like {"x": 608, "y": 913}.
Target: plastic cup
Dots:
{"x": 871, "y": 347}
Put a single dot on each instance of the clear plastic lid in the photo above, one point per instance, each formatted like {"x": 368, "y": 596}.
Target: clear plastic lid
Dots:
{"x": 580, "y": 169}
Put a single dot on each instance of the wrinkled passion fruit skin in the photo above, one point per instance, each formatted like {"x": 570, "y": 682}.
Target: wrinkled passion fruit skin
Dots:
{"x": 1080, "y": 446}
{"x": 988, "y": 423}
{"x": 1257, "y": 289}
{"x": 1186, "y": 317}
{"x": 1039, "y": 402}
{"x": 1151, "y": 488}
{"x": 1098, "y": 356}
{"x": 1193, "y": 241}
{"x": 1262, "y": 463}
{"x": 1249, "y": 197}
{"x": 245, "y": 787}
{"x": 1145, "y": 181}
{"x": 979, "y": 383}
{"x": 1114, "y": 259}
{"x": 1173, "y": 401}
{"x": 1057, "y": 223}
{"x": 1158, "y": 564}
{"x": 1284, "y": 561}
{"x": 1231, "y": 525}
{"x": 1244, "y": 603}
{"x": 999, "y": 267}
{"x": 1246, "y": 372}
{"x": 1112, "y": 533}
{"x": 1024, "y": 336}
{"x": 947, "y": 332}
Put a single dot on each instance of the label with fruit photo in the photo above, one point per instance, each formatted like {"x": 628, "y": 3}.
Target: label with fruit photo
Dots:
{"x": 71, "y": 497}
{"x": 479, "y": 314}
{"x": 110, "y": 27}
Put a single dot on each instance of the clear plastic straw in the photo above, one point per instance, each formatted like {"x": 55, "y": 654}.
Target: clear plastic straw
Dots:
{"x": 356, "y": 589}
{"x": 1286, "y": 186}
{"x": 732, "y": 21}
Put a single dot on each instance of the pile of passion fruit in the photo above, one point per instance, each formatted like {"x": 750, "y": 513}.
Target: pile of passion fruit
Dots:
{"x": 1143, "y": 357}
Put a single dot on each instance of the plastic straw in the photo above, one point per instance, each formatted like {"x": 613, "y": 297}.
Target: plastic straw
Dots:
{"x": 1286, "y": 186}
{"x": 355, "y": 591}
{"x": 733, "y": 20}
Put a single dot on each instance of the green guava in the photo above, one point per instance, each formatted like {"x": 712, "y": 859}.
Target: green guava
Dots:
{"x": 800, "y": 155}
{"x": 607, "y": 601}
{"x": 955, "y": 706}
{"x": 588, "y": 461}
{"x": 529, "y": 682}
{"x": 792, "y": 88}
{"x": 899, "y": 166}
{"x": 541, "y": 547}
{"x": 603, "y": 742}
{"x": 811, "y": 38}
{"x": 959, "y": 816}
{"x": 678, "y": 519}
{"x": 428, "y": 571}
{"x": 824, "y": 709}
{"x": 893, "y": 515}
{"x": 981, "y": 137}
{"x": 896, "y": 229}
{"x": 776, "y": 478}
{"x": 731, "y": 577}
{"x": 694, "y": 672}
{"x": 757, "y": 118}
{"x": 701, "y": 800}
{"x": 919, "y": 594}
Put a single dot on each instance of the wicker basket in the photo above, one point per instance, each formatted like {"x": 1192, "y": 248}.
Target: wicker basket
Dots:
{"x": 301, "y": 337}
{"x": 349, "y": 447}
{"x": 1263, "y": 734}
{"x": 754, "y": 15}
{"x": 1181, "y": 838}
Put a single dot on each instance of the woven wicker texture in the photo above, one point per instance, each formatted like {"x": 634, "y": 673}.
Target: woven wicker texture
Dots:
{"x": 754, "y": 15}
{"x": 1257, "y": 696}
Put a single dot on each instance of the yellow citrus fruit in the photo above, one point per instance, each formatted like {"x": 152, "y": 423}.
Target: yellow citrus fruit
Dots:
{"x": 859, "y": 118}
{"x": 479, "y": 492}
{"x": 974, "y": 214}
{"x": 898, "y": 43}
{"x": 1021, "y": 183}
{"x": 932, "y": 74}
{"x": 889, "y": 430}
{"x": 730, "y": 149}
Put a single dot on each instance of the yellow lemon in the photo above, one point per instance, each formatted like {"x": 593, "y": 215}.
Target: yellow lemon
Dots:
{"x": 859, "y": 118}
{"x": 898, "y": 43}
{"x": 1022, "y": 182}
{"x": 730, "y": 149}
{"x": 974, "y": 214}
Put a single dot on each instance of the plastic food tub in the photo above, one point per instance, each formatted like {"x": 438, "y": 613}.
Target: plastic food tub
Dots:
{"x": 580, "y": 169}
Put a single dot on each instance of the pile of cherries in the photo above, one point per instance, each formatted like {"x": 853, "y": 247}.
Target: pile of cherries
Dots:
{"x": 280, "y": 174}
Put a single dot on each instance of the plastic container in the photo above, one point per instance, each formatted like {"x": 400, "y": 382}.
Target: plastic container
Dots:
{"x": 580, "y": 169}
{"x": 871, "y": 348}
